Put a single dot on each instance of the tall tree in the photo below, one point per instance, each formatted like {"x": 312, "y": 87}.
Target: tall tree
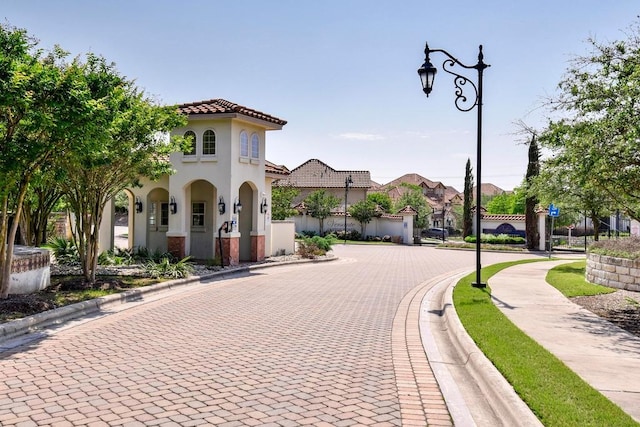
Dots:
{"x": 467, "y": 220}
{"x": 42, "y": 106}
{"x": 532, "y": 233}
{"x": 127, "y": 140}
{"x": 382, "y": 200}
{"x": 364, "y": 211}
{"x": 412, "y": 196}
{"x": 598, "y": 134}
{"x": 282, "y": 197}
{"x": 319, "y": 204}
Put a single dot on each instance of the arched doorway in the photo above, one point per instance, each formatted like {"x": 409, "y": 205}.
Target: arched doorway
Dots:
{"x": 157, "y": 216}
{"x": 201, "y": 219}
{"x": 245, "y": 220}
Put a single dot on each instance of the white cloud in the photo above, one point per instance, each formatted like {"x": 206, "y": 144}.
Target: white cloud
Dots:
{"x": 360, "y": 136}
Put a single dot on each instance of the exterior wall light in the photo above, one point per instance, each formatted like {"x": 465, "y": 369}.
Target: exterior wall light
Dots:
{"x": 138, "y": 204}
{"x": 237, "y": 206}
{"x": 263, "y": 205}
{"x": 221, "y": 205}
{"x": 173, "y": 206}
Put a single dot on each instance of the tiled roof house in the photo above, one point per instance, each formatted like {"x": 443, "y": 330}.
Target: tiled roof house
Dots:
{"x": 315, "y": 175}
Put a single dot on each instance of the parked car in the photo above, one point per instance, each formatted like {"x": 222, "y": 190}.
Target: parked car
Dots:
{"x": 436, "y": 233}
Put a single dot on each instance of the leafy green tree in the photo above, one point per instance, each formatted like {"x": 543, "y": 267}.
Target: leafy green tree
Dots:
{"x": 412, "y": 196}
{"x": 282, "y": 198}
{"x": 319, "y": 204}
{"x": 43, "y": 108}
{"x": 127, "y": 139}
{"x": 598, "y": 134}
{"x": 381, "y": 199}
{"x": 467, "y": 220}
{"x": 507, "y": 203}
{"x": 43, "y": 196}
{"x": 364, "y": 211}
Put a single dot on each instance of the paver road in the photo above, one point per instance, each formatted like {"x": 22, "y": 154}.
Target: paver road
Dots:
{"x": 310, "y": 344}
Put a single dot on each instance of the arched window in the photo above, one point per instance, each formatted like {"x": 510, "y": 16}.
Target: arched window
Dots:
{"x": 255, "y": 146}
{"x": 244, "y": 144}
{"x": 190, "y": 135}
{"x": 209, "y": 143}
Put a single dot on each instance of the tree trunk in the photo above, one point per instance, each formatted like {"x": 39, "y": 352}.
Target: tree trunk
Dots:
{"x": 7, "y": 257}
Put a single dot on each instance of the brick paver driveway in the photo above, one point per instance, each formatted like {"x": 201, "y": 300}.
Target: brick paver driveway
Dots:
{"x": 311, "y": 344}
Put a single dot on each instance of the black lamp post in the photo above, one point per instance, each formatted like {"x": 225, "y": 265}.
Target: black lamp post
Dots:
{"x": 347, "y": 183}
{"x": 427, "y": 74}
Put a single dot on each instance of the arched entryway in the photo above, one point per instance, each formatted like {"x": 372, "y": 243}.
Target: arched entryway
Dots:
{"x": 245, "y": 220}
{"x": 157, "y": 217}
{"x": 201, "y": 219}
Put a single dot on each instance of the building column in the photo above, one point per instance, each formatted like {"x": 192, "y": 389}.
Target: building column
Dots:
{"x": 257, "y": 247}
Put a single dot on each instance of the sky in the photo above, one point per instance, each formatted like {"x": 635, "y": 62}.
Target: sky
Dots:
{"x": 343, "y": 73}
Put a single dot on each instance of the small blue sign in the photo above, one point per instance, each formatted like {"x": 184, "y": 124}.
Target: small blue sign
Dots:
{"x": 554, "y": 212}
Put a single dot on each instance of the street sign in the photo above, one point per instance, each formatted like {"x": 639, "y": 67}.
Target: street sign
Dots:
{"x": 554, "y": 212}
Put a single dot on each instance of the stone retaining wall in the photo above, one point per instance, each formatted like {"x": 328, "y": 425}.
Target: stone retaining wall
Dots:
{"x": 619, "y": 273}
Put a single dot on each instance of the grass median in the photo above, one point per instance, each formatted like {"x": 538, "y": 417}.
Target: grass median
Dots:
{"x": 554, "y": 392}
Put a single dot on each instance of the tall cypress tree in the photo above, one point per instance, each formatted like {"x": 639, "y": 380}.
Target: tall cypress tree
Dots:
{"x": 531, "y": 217}
{"x": 467, "y": 220}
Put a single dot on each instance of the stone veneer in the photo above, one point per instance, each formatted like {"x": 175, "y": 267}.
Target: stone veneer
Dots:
{"x": 619, "y": 273}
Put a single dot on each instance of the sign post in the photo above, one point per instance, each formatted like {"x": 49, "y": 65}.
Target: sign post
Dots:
{"x": 554, "y": 212}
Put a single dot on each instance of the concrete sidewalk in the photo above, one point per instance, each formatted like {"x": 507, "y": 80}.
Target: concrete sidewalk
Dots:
{"x": 604, "y": 355}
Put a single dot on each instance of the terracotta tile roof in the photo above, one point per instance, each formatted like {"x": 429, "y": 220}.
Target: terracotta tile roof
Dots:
{"x": 273, "y": 169}
{"x": 411, "y": 178}
{"x": 222, "y": 106}
{"x": 408, "y": 210}
{"x": 316, "y": 174}
{"x": 503, "y": 217}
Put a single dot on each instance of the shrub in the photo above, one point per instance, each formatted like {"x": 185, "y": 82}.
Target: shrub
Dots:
{"x": 500, "y": 239}
{"x": 311, "y": 247}
{"x": 628, "y": 247}
{"x": 165, "y": 268}
{"x": 116, "y": 256}
{"x": 64, "y": 251}
{"x": 350, "y": 235}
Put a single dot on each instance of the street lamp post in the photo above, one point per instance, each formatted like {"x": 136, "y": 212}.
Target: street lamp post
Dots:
{"x": 347, "y": 183}
{"x": 427, "y": 74}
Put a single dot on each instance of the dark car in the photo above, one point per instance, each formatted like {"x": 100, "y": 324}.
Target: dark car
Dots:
{"x": 435, "y": 233}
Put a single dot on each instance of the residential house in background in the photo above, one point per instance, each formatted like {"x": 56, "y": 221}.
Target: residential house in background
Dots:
{"x": 315, "y": 175}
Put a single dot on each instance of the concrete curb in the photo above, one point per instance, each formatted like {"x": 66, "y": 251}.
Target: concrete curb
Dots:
{"x": 450, "y": 348}
{"x": 58, "y": 316}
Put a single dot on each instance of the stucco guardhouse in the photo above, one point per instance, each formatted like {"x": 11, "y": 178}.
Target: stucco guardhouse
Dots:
{"x": 218, "y": 197}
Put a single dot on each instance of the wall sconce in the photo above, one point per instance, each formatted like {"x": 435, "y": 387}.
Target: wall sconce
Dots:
{"x": 221, "y": 205}
{"x": 173, "y": 206}
{"x": 237, "y": 206}
{"x": 138, "y": 204}
{"x": 263, "y": 205}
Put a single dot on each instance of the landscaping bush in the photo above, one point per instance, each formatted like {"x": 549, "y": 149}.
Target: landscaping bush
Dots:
{"x": 64, "y": 251}
{"x": 311, "y": 247}
{"x": 500, "y": 239}
{"x": 165, "y": 268}
{"x": 350, "y": 235}
{"x": 628, "y": 247}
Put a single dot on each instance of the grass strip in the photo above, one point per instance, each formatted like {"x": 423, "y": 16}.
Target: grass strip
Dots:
{"x": 554, "y": 392}
{"x": 570, "y": 280}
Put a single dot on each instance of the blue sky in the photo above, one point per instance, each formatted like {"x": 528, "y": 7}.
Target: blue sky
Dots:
{"x": 342, "y": 72}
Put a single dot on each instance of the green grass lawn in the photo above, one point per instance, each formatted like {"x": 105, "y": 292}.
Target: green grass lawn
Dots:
{"x": 569, "y": 279}
{"x": 554, "y": 393}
